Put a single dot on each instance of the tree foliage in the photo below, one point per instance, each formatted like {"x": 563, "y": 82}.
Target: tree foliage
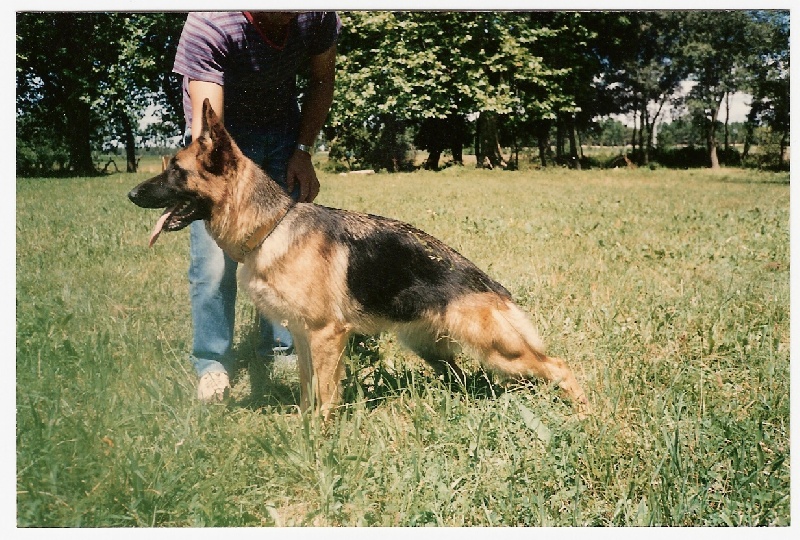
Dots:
{"x": 769, "y": 80}
{"x": 408, "y": 67}
{"x": 645, "y": 70}
{"x": 83, "y": 77}
{"x": 432, "y": 80}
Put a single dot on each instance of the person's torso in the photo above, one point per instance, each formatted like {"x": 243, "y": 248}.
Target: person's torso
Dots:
{"x": 259, "y": 78}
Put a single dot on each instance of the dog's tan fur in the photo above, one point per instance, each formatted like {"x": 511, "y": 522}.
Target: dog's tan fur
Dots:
{"x": 303, "y": 273}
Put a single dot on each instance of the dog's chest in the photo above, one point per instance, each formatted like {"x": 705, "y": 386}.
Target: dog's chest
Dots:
{"x": 263, "y": 291}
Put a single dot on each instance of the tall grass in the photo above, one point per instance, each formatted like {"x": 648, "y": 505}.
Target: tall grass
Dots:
{"x": 667, "y": 291}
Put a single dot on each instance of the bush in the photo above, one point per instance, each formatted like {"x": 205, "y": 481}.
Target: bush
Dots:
{"x": 688, "y": 157}
{"x": 731, "y": 157}
{"x": 386, "y": 146}
{"x": 40, "y": 157}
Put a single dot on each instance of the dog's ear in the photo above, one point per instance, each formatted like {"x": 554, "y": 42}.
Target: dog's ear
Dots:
{"x": 215, "y": 141}
{"x": 212, "y": 125}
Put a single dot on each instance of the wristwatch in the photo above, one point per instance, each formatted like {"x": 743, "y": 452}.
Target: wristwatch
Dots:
{"x": 304, "y": 148}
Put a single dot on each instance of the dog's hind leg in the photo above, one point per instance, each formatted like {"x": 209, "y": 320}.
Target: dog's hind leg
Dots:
{"x": 438, "y": 351}
{"x": 507, "y": 343}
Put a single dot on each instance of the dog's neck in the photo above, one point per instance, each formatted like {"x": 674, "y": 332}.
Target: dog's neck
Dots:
{"x": 254, "y": 209}
{"x": 254, "y": 240}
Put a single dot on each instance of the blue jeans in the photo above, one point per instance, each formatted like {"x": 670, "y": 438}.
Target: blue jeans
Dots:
{"x": 212, "y": 274}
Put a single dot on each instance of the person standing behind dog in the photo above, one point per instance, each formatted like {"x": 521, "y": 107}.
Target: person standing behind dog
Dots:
{"x": 246, "y": 64}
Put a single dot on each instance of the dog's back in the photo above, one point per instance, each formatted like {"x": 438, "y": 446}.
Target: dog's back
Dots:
{"x": 399, "y": 272}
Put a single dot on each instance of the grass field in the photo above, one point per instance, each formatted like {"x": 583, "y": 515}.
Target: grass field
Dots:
{"x": 667, "y": 291}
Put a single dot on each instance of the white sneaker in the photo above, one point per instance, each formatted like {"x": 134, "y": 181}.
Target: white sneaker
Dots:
{"x": 213, "y": 387}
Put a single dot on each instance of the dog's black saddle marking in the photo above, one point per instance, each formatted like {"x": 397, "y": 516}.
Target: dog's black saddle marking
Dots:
{"x": 400, "y": 272}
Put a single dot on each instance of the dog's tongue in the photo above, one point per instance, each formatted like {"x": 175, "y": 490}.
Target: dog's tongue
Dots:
{"x": 160, "y": 225}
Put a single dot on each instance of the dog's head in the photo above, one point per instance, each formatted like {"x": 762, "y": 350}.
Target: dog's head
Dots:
{"x": 194, "y": 181}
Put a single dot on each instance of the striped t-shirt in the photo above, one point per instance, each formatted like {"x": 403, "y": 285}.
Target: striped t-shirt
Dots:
{"x": 260, "y": 79}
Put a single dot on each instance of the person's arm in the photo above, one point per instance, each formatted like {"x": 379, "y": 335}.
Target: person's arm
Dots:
{"x": 315, "y": 110}
{"x": 198, "y": 92}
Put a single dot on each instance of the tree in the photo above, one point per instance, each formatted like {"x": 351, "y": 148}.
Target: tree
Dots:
{"x": 651, "y": 70}
{"x": 769, "y": 81}
{"x": 56, "y": 69}
{"x": 580, "y": 49}
{"x": 417, "y": 66}
{"x": 612, "y": 133}
{"x": 85, "y": 74}
{"x": 566, "y": 49}
{"x": 141, "y": 78}
{"x": 718, "y": 48}
{"x": 681, "y": 131}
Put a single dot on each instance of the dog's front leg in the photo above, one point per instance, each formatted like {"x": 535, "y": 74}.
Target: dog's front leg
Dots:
{"x": 303, "y": 351}
{"x": 327, "y": 345}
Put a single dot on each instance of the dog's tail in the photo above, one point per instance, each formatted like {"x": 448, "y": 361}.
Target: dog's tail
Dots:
{"x": 505, "y": 340}
{"x": 517, "y": 322}
{"x": 489, "y": 323}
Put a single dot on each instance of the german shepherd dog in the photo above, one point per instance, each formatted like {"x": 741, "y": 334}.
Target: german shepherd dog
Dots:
{"x": 331, "y": 273}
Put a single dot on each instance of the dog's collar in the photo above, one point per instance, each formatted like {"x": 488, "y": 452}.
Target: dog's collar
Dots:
{"x": 258, "y": 236}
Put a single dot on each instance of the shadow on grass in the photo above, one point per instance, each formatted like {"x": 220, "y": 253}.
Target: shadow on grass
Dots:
{"x": 375, "y": 384}
{"x": 368, "y": 379}
{"x": 779, "y": 178}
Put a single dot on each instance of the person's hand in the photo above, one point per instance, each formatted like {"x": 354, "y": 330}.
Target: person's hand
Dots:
{"x": 301, "y": 171}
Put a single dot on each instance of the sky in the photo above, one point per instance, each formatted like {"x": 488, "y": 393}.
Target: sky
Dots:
{"x": 739, "y": 108}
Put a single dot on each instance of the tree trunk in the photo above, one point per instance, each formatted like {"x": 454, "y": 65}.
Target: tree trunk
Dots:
{"x": 560, "y": 140}
{"x": 130, "y": 142}
{"x": 749, "y": 128}
{"x": 478, "y": 149}
{"x": 392, "y": 150}
{"x": 80, "y": 150}
{"x": 573, "y": 145}
{"x": 514, "y": 149}
{"x": 784, "y": 146}
{"x": 432, "y": 163}
{"x": 437, "y": 134}
{"x": 711, "y": 137}
{"x": 456, "y": 131}
{"x": 488, "y": 142}
{"x": 711, "y": 145}
{"x": 727, "y": 120}
{"x": 651, "y": 129}
{"x": 644, "y": 137}
{"x": 543, "y": 140}
{"x": 458, "y": 153}
{"x": 712, "y": 154}
{"x": 643, "y": 155}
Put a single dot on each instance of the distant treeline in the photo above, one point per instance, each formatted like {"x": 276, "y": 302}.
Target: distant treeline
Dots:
{"x": 493, "y": 82}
